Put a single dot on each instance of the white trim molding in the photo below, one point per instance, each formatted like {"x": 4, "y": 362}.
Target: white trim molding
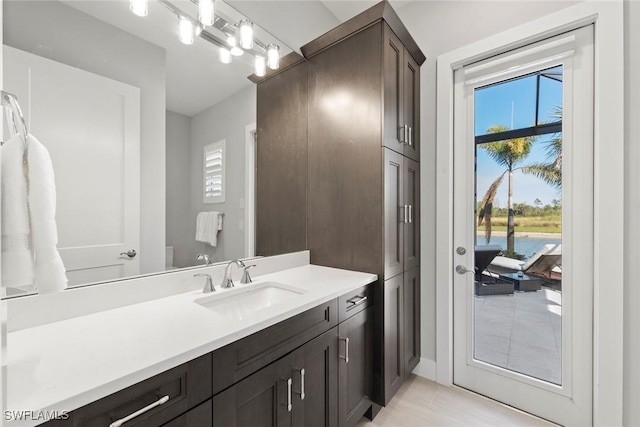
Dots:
{"x": 608, "y": 189}
{"x": 426, "y": 369}
{"x": 250, "y": 190}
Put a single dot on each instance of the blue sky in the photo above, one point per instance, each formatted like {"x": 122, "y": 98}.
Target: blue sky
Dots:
{"x": 499, "y": 105}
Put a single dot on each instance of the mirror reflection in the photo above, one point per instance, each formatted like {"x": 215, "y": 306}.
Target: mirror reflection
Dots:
{"x": 149, "y": 120}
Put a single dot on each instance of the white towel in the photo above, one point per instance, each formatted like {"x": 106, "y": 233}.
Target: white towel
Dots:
{"x": 207, "y": 226}
{"x": 29, "y": 232}
{"x": 50, "y": 274}
{"x": 17, "y": 258}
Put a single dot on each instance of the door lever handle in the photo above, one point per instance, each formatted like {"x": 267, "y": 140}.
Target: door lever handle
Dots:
{"x": 131, "y": 253}
{"x": 461, "y": 269}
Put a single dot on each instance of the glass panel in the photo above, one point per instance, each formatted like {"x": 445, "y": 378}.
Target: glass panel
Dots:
{"x": 518, "y": 286}
{"x": 550, "y": 98}
{"x": 511, "y": 104}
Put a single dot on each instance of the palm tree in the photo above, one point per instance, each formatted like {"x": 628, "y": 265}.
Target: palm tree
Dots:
{"x": 508, "y": 153}
{"x": 550, "y": 172}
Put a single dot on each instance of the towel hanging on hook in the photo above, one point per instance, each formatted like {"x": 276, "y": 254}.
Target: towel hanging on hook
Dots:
{"x": 15, "y": 119}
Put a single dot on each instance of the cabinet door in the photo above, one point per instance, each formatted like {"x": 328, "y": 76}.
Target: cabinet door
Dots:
{"x": 393, "y": 54}
{"x": 411, "y": 184}
{"x": 355, "y": 372}
{"x": 315, "y": 382}
{"x": 264, "y": 399}
{"x": 394, "y": 372}
{"x": 411, "y": 106}
{"x": 411, "y": 297}
{"x": 394, "y": 213}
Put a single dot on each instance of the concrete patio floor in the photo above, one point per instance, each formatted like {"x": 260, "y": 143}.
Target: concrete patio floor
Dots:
{"x": 521, "y": 332}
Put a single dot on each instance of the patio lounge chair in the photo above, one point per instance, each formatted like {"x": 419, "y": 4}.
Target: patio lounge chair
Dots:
{"x": 546, "y": 262}
{"x": 487, "y": 283}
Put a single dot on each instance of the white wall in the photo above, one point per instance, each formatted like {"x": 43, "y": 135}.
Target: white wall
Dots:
{"x": 61, "y": 33}
{"x": 226, "y": 120}
{"x": 439, "y": 27}
{"x": 631, "y": 415}
{"x": 178, "y": 183}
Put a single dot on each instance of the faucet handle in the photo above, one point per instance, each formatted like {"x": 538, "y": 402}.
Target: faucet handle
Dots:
{"x": 208, "y": 285}
{"x": 204, "y": 257}
{"x": 246, "y": 277}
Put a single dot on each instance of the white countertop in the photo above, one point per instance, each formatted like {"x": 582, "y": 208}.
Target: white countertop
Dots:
{"x": 68, "y": 364}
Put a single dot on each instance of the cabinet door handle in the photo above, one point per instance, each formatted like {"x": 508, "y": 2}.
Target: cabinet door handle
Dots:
{"x": 410, "y": 214}
{"x": 147, "y": 408}
{"x": 406, "y": 134}
{"x": 406, "y": 214}
{"x": 357, "y": 300}
{"x": 301, "y": 392}
{"x": 289, "y": 404}
{"x": 346, "y": 350}
{"x": 410, "y": 139}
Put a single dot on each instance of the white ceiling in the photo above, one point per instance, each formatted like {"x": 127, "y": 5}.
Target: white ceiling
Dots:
{"x": 196, "y": 79}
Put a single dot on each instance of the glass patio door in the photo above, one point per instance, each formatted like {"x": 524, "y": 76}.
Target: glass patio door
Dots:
{"x": 523, "y": 221}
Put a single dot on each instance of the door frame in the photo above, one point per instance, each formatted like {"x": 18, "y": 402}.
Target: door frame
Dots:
{"x": 607, "y": 18}
{"x": 250, "y": 137}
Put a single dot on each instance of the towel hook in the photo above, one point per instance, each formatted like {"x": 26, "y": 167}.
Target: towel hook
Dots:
{"x": 14, "y": 115}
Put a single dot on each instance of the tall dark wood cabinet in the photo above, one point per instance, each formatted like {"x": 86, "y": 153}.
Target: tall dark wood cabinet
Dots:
{"x": 364, "y": 175}
{"x": 362, "y": 172}
{"x": 281, "y": 162}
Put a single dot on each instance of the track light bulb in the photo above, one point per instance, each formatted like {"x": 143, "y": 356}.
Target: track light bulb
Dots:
{"x": 206, "y": 12}
{"x": 186, "y": 31}
{"x": 139, "y": 7}
{"x": 224, "y": 55}
{"x": 261, "y": 66}
{"x": 273, "y": 56}
{"x": 246, "y": 34}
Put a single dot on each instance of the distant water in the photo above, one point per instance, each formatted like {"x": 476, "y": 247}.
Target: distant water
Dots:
{"x": 526, "y": 246}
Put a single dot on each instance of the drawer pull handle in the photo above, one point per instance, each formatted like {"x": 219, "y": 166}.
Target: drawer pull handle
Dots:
{"x": 301, "y": 392}
{"x": 289, "y": 404}
{"x": 346, "y": 350}
{"x": 356, "y": 301}
{"x": 158, "y": 402}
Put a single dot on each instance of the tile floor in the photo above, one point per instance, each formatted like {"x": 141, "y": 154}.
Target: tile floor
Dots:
{"x": 521, "y": 332}
{"x": 422, "y": 403}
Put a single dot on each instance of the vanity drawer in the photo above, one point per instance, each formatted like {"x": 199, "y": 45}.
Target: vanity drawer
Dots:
{"x": 355, "y": 301}
{"x": 244, "y": 357}
{"x": 186, "y": 386}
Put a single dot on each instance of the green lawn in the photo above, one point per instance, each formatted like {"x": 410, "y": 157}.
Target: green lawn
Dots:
{"x": 539, "y": 224}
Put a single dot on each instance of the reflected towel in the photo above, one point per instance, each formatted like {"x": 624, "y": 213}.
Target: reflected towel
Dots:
{"x": 50, "y": 274}
{"x": 207, "y": 226}
{"x": 17, "y": 258}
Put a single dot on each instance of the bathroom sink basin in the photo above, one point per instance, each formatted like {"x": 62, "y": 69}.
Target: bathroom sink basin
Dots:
{"x": 242, "y": 301}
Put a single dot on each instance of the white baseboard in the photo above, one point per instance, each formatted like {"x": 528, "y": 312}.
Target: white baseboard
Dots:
{"x": 426, "y": 368}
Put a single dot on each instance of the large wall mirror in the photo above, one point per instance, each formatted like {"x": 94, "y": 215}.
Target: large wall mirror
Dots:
{"x": 144, "y": 131}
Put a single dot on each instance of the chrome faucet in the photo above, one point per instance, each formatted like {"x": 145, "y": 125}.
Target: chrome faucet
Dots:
{"x": 205, "y": 257}
{"x": 246, "y": 277}
{"x": 208, "y": 285}
{"x": 227, "y": 282}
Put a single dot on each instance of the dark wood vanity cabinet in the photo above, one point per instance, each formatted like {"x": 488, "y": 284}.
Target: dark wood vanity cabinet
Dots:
{"x": 311, "y": 370}
{"x": 326, "y": 382}
{"x": 356, "y": 381}
{"x": 299, "y": 389}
